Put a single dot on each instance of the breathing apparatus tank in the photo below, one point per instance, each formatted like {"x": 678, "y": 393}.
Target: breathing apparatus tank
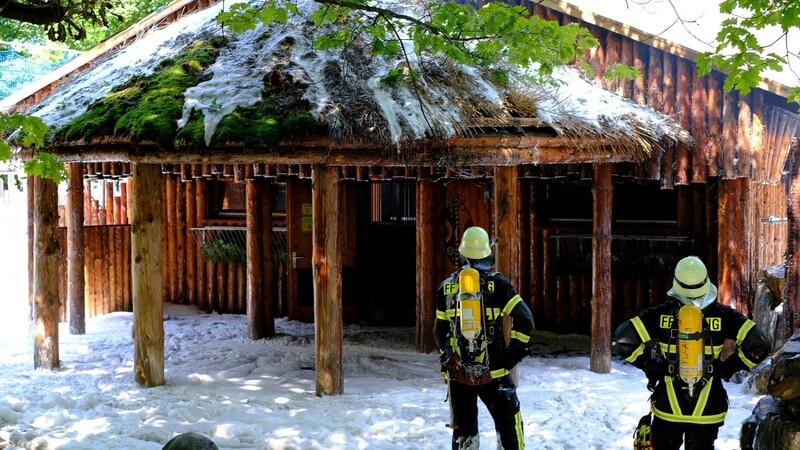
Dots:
{"x": 470, "y": 303}
{"x": 690, "y": 345}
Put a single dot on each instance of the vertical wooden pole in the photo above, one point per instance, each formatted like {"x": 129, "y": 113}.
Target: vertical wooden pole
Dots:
{"x": 268, "y": 261}
{"x": 507, "y": 225}
{"x": 253, "y": 241}
{"x": 507, "y": 222}
{"x": 600, "y": 356}
{"x": 202, "y": 280}
{"x": 791, "y": 319}
{"x": 327, "y": 269}
{"x": 426, "y": 265}
{"x": 148, "y": 307}
{"x": 76, "y": 278}
{"x": 30, "y": 186}
{"x": 170, "y": 269}
{"x": 180, "y": 243}
{"x": 191, "y": 245}
{"x": 733, "y": 243}
{"x": 45, "y": 274}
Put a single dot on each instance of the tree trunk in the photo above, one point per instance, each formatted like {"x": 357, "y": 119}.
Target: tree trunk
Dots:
{"x": 45, "y": 269}
{"x": 327, "y": 269}
{"x": 600, "y": 357}
{"x": 76, "y": 279}
{"x": 148, "y": 308}
{"x": 253, "y": 238}
{"x": 427, "y": 247}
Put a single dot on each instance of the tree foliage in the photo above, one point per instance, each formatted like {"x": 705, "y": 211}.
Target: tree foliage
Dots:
{"x": 79, "y": 24}
{"x": 496, "y": 36}
{"x": 739, "y": 52}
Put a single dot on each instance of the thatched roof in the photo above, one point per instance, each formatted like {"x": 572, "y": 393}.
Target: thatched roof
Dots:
{"x": 193, "y": 86}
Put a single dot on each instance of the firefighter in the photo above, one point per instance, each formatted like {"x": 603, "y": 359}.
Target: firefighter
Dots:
{"x": 689, "y": 413}
{"x": 479, "y": 366}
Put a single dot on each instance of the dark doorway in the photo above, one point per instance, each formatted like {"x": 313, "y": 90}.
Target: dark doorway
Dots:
{"x": 387, "y": 255}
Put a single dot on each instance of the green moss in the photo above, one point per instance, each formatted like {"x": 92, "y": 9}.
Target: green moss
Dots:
{"x": 148, "y": 108}
{"x": 145, "y": 108}
{"x": 193, "y": 132}
{"x": 280, "y": 114}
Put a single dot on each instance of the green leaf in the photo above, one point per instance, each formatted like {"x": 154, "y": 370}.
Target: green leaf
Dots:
{"x": 5, "y": 150}
{"x": 622, "y": 72}
{"x": 46, "y": 165}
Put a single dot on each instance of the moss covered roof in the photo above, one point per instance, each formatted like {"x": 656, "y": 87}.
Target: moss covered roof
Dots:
{"x": 196, "y": 90}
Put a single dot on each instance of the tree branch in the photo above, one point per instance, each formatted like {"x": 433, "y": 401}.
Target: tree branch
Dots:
{"x": 35, "y": 14}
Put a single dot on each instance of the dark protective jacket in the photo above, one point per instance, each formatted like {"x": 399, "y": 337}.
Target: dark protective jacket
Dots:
{"x": 499, "y": 299}
{"x": 649, "y": 342}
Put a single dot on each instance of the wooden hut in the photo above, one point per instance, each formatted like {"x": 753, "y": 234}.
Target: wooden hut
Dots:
{"x": 351, "y": 211}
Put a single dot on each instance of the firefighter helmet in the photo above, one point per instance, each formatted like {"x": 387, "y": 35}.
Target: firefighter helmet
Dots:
{"x": 475, "y": 243}
{"x": 691, "y": 284}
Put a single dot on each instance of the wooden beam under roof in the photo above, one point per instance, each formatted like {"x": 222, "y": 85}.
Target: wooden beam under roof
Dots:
{"x": 504, "y": 150}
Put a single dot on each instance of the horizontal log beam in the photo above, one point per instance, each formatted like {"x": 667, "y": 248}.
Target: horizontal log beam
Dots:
{"x": 484, "y": 150}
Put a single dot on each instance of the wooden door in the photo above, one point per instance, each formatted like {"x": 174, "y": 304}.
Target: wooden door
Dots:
{"x": 298, "y": 242}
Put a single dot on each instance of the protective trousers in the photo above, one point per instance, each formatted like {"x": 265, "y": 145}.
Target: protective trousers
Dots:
{"x": 500, "y": 398}
{"x": 670, "y": 435}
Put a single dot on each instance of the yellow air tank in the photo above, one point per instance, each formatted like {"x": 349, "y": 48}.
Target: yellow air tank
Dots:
{"x": 690, "y": 345}
{"x": 470, "y": 303}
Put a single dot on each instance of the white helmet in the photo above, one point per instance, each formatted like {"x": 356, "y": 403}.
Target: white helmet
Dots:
{"x": 475, "y": 243}
{"x": 691, "y": 285}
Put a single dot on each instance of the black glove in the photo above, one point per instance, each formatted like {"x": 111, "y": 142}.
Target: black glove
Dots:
{"x": 516, "y": 352}
{"x": 723, "y": 369}
{"x": 444, "y": 358}
{"x": 655, "y": 364}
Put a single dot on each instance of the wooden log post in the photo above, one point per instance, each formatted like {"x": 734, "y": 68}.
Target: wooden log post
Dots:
{"x": 180, "y": 243}
{"x": 427, "y": 247}
{"x": 270, "y": 290}
{"x": 791, "y": 320}
{"x": 508, "y": 220}
{"x": 46, "y": 306}
{"x": 253, "y": 242}
{"x": 171, "y": 263}
{"x": 327, "y": 270}
{"x": 202, "y": 279}
{"x": 600, "y": 356}
{"x": 148, "y": 307}
{"x": 733, "y": 242}
{"x": 76, "y": 279}
{"x": 191, "y": 244}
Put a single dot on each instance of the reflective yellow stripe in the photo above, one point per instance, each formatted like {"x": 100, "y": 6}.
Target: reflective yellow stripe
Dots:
{"x": 703, "y": 399}
{"x": 673, "y": 399}
{"x": 441, "y": 315}
{"x": 643, "y": 334}
{"x": 708, "y": 350}
{"x": 697, "y": 415}
{"x": 744, "y": 330}
{"x": 639, "y": 350}
{"x": 701, "y": 420}
{"x": 522, "y": 337}
{"x": 450, "y": 313}
{"x": 511, "y": 304}
{"x": 499, "y": 373}
{"x": 454, "y": 345}
{"x": 518, "y": 427}
{"x": 739, "y": 338}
